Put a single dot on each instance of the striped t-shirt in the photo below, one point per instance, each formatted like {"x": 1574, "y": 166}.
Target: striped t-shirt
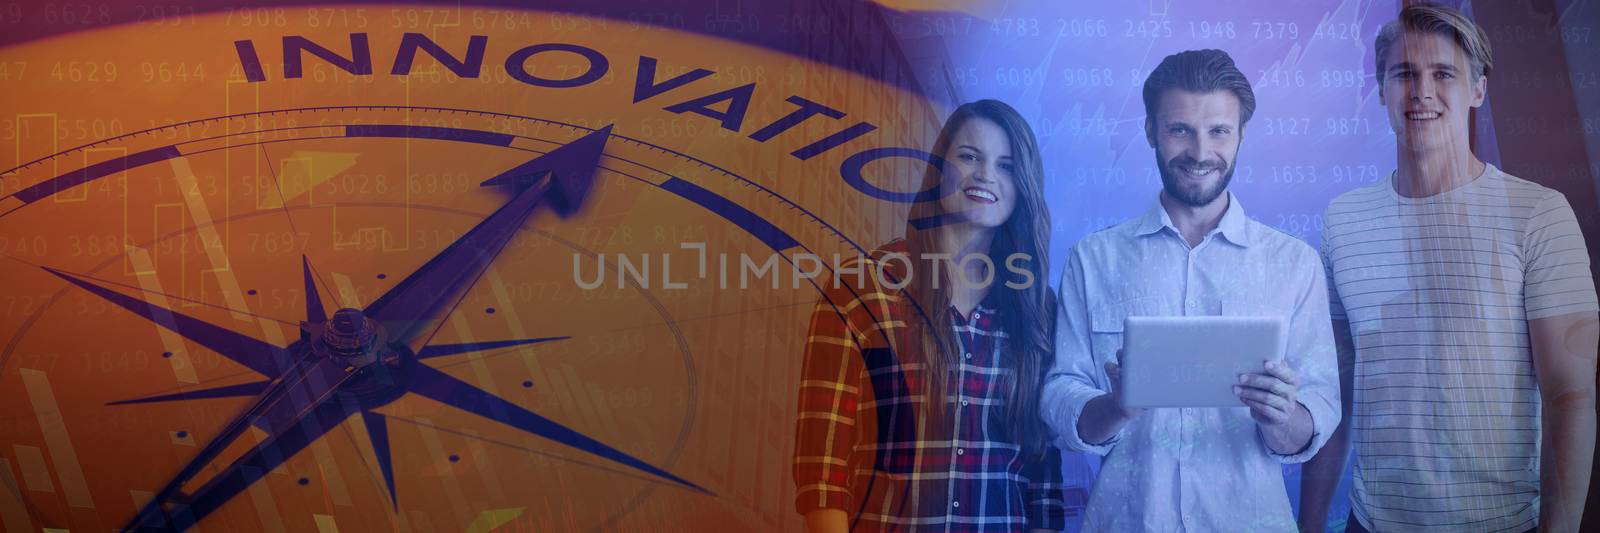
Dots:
{"x": 1438, "y": 292}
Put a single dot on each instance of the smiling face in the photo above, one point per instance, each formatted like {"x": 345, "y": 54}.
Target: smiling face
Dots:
{"x": 1429, "y": 90}
{"x": 1196, "y": 137}
{"x": 980, "y": 174}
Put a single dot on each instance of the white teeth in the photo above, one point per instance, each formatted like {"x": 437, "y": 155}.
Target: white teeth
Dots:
{"x": 1201, "y": 173}
{"x": 1422, "y": 115}
{"x": 980, "y": 193}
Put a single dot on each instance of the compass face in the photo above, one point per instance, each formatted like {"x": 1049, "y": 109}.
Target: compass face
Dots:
{"x": 175, "y": 219}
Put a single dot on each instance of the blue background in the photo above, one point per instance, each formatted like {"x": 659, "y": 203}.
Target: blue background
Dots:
{"x": 1075, "y": 70}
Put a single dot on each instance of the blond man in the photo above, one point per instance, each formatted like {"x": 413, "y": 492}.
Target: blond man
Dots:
{"x": 1465, "y": 315}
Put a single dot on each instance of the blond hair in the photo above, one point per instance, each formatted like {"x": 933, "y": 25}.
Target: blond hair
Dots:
{"x": 1428, "y": 17}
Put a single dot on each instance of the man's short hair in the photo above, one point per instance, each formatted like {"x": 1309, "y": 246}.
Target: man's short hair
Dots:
{"x": 1199, "y": 71}
{"x": 1426, "y": 18}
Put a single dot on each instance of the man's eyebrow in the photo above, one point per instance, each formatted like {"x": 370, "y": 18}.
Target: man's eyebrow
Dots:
{"x": 1444, "y": 66}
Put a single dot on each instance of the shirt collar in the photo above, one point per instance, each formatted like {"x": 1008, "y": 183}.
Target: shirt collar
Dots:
{"x": 1232, "y": 227}
{"x": 985, "y": 309}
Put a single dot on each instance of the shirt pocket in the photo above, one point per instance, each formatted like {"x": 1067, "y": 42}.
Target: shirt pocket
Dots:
{"x": 1106, "y": 324}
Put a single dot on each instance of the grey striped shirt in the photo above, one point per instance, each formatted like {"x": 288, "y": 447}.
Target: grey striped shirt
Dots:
{"x": 1438, "y": 292}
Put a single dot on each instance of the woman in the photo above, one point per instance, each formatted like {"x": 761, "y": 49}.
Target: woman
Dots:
{"x": 918, "y": 406}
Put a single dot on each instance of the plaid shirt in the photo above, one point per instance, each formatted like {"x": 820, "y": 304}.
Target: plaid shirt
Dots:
{"x": 863, "y": 445}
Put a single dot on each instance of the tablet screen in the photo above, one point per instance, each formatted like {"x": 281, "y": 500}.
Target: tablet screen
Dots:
{"x": 1194, "y": 361}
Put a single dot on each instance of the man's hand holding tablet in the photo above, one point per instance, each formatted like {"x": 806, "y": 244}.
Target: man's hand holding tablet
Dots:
{"x": 1211, "y": 361}
{"x": 1114, "y": 374}
{"x": 1270, "y": 394}
{"x": 1104, "y": 416}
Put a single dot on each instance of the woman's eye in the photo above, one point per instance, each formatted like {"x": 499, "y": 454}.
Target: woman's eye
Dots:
{"x": 1008, "y": 167}
{"x": 969, "y": 157}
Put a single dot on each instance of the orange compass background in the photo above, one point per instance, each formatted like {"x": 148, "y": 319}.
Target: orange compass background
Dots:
{"x": 699, "y": 381}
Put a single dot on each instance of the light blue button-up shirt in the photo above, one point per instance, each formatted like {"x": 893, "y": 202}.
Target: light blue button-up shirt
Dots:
{"x": 1203, "y": 469}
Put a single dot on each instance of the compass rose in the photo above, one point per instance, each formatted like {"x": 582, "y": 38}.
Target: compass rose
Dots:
{"x": 357, "y": 360}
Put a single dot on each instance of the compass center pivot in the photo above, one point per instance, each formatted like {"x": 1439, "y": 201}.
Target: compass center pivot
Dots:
{"x": 352, "y": 338}
{"x": 361, "y": 345}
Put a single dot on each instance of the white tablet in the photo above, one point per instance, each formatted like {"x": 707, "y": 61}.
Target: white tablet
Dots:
{"x": 1194, "y": 361}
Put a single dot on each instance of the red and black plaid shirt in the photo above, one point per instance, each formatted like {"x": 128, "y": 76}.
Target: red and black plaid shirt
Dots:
{"x": 863, "y": 446}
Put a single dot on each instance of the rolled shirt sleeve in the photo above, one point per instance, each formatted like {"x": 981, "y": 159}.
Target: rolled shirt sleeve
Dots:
{"x": 1075, "y": 377}
{"x": 1310, "y": 353}
{"x": 830, "y": 391}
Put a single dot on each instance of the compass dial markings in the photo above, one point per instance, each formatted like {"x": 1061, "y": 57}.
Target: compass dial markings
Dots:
{"x": 496, "y": 138}
{"x": 429, "y": 132}
{"x": 739, "y": 216}
{"x": 96, "y": 171}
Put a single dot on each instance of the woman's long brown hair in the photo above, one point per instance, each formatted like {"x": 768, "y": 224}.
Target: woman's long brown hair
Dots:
{"x": 1027, "y": 314}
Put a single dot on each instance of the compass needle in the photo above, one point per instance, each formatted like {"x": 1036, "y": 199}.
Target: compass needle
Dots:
{"x": 561, "y": 176}
{"x": 579, "y": 157}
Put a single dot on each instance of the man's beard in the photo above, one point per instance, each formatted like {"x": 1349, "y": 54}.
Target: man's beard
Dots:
{"x": 1191, "y": 194}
